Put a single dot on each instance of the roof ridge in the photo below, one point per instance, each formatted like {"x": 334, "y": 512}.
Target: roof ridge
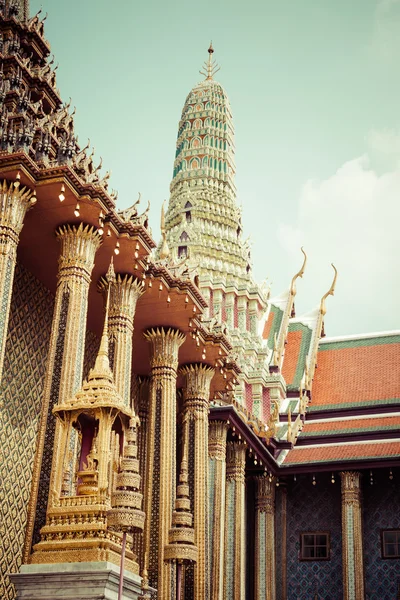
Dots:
{"x": 360, "y": 336}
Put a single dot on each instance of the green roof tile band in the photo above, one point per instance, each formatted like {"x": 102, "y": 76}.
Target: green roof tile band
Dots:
{"x": 276, "y": 324}
{"x": 341, "y": 459}
{"x": 355, "y": 405}
{"x": 372, "y": 341}
{"x": 282, "y": 431}
{"x": 331, "y": 432}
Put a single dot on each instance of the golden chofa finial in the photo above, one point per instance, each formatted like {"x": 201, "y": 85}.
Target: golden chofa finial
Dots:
{"x": 210, "y": 67}
{"x": 330, "y": 292}
{"x": 164, "y": 250}
{"x": 299, "y": 274}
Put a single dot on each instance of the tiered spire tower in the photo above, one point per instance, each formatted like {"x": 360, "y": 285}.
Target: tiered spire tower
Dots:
{"x": 203, "y": 222}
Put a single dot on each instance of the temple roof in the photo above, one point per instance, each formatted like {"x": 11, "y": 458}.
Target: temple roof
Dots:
{"x": 354, "y": 413}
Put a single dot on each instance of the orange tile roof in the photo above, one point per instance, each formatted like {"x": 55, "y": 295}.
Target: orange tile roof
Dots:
{"x": 356, "y": 374}
{"x": 343, "y": 452}
{"x": 292, "y": 352}
{"x": 268, "y": 325}
{"x": 331, "y": 427}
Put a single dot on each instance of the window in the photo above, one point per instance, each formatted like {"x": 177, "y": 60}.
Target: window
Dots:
{"x": 184, "y": 237}
{"x": 182, "y": 251}
{"x": 314, "y": 546}
{"x": 391, "y": 543}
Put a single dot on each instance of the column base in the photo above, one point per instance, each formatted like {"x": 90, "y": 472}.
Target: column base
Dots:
{"x": 74, "y": 581}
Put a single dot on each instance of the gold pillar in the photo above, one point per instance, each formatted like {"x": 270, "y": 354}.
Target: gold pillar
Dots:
{"x": 161, "y": 450}
{"x": 125, "y": 292}
{"x": 265, "y": 539}
{"x": 141, "y": 396}
{"x": 217, "y": 483}
{"x": 14, "y": 203}
{"x": 235, "y": 526}
{"x": 196, "y": 393}
{"x": 66, "y": 354}
{"x": 352, "y": 540}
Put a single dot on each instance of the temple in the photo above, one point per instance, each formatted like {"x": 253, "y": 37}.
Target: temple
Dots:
{"x": 157, "y": 404}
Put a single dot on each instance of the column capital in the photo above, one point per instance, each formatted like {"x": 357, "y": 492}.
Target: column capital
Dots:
{"x": 265, "y": 495}
{"x": 198, "y": 378}
{"x": 217, "y": 433}
{"x": 14, "y": 203}
{"x": 351, "y": 487}
{"x": 78, "y": 248}
{"x": 125, "y": 291}
{"x": 165, "y": 344}
{"x": 235, "y": 461}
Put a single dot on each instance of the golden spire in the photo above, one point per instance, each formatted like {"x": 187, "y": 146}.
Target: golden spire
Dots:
{"x": 210, "y": 67}
{"x": 102, "y": 365}
{"x": 164, "y": 250}
{"x": 330, "y": 292}
{"x": 181, "y": 547}
{"x": 126, "y": 501}
{"x": 299, "y": 274}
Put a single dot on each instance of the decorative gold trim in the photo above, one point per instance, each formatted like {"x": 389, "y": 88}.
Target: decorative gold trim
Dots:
{"x": 78, "y": 249}
{"x": 353, "y": 564}
{"x": 164, "y": 348}
{"x": 265, "y": 505}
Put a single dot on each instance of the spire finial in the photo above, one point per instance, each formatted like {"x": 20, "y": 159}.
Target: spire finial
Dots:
{"x": 299, "y": 274}
{"x": 102, "y": 364}
{"x": 330, "y": 292}
{"x": 210, "y": 67}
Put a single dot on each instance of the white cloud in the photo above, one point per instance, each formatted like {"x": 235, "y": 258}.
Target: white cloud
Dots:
{"x": 384, "y": 141}
{"x": 352, "y": 219}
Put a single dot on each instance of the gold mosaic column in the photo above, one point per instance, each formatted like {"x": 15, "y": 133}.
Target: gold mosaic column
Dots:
{"x": 196, "y": 394}
{"x": 352, "y": 541}
{"x": 141, "y": 395}
{"x": 217, "y": 483}
{"x": 65, "y": 359}
{"x": 125, "y": 292}
{"x": 265, "y": 539}
{"x": 161, "y": 450}
{"x": 235, "y": 526}
{"x": 14, "y": 203}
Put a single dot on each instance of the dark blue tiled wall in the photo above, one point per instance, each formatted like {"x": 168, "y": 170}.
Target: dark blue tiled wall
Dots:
{"x": 314, "y": 508}
{"x": 381, "y": 510}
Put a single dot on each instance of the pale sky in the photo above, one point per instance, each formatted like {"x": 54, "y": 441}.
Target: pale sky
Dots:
{"x": 315, "y": 93}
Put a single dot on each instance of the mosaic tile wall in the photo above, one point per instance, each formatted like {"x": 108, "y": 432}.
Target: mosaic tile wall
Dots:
{"x": 314, "y": 508}
{"x": 21, "y": 390}
{"x": 278, "y": 543}
{"x": 381, "y": 502}
{"x": 92, "y": 343}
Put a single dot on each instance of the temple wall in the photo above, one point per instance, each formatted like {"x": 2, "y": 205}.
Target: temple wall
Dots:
{"x": 381, "y": 510}
{"x": 20, "y": 401}
{"x": 314, "y": 508}
{"x": 21, "y": 389}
